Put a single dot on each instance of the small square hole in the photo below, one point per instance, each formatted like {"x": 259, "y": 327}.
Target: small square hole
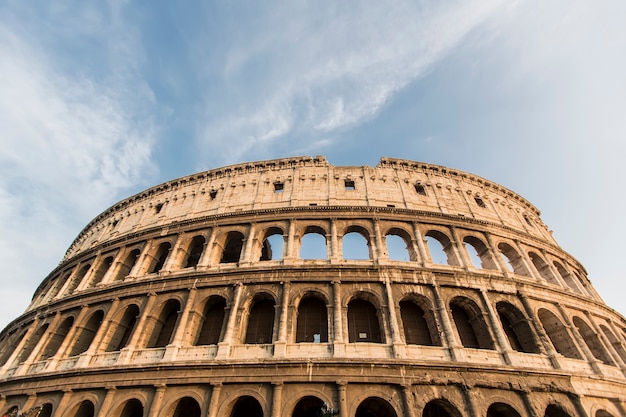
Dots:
{"x": 213, "y": 194}
{"x": 279, "y": 187}
{"x": 158, "y": 208}
{"x": 349, "y": 184}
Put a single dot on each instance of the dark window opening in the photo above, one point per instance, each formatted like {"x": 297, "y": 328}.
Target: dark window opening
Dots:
{"x": 196, "y": 247}
{"x": 160, "y": 257}
{"x": 212, "y": 322}
{"x": 516, "y": 328}
{"x": 232, "y": 248}
{"x": 312, "y": 325}
{"x": 163, "y": 331}
{"x": 247, "y": 406}
{"x": 363, "y": 322}
{"x": 501, "y": 410}
{"x": 128, "y": 265}
{"x": 213, "y": 194}
{"x": 416, "y": 331}
{"x": 158, "y": 208}
{"x": 187, "y": 407}
{"x": 440, "y": 408}
{"x": 124, "y": 329}
{"x": 308, "y": 407}
{"x": 87, "y": 334}
{"x": 479, "y": 201}
{"x": 419, "y": 189}
{"x": 470, "y": 325}
{"x": 349, "y": 184}
{"x": 260, "y": 323}
{"x": 133, "y": 408}
{"x": 375, "y": 407}
{"x": 85, "y": 409}
{"x": 279, "y": 187}
{"x": 57, "y": 339}
{"x": 558, "y": 335}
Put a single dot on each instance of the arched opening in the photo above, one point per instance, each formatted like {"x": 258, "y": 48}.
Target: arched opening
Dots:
{"x": 312, "y": 323}
{"x": 308, "y": 407}
{"x": 260, "y": 328}
{"x": 603, "y": 413}
{"x": 46, "y": 411}
{"x": 513, "y": 259}
{"x": 78, "y": 278}
{"x": 501, "y": 410}
{"x": 375, "y": 407}
{"x": 399, "y": 247}
{"x": 247, "y": 406}
{"x": 85, "y": 409}
{"x": 592, "y": 341}
{"x": 354, "y": 246}
{"x": 12, "y": 412}
{"x": 212, "y": 322}
{"x": 470, "y": 325}
{"x": 313, "y": 244}
{"x": 479, "y": 253}
{"x": 614, "y": 342}
{"x": 554, "y": 410}
{"x": 127, "y": 266}
{"x": 194, "y": 251}
{"x": 132, "y": 408}
{"x": 440, "y": 408}
{"x": 87, "y": 333}
{"x": 164, "y": 327}
{"x": 105, "y": 265}
{"x": 440, "y": 248}
{"x": 124, "y": 330}
{"x": 160, "y": 256}
{"x": 558, "y": 335}
{"x": 272, "y": 249}
{"x": 187, "y": 407}
{"x": 415, "y": 323}
{"x": 363, "y": 323}
{"x": 516, "y": 328}
{"x": 567, "y": 277}
{"x": 542, "y": 267}
{"x": 232, "y": 248}
{"x": 57, "y": 339}
{"x": 31, "y": 343}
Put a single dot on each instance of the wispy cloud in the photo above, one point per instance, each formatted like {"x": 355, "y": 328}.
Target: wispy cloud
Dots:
{"x": 307, "y": 70}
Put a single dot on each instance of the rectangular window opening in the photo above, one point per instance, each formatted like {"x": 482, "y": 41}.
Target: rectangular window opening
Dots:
{"x": 419, "y": 189}
{"x": 279, "y": 187}
{"x": 480, "y": 202}
{"x": 213, "y": 194}
{"x": 349, "y": 184}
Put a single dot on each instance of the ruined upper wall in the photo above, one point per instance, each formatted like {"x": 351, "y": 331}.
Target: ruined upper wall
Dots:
{"x": 306, "y": 182}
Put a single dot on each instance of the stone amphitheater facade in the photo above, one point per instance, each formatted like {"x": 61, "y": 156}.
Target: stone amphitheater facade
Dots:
{"x": 296, "y": 288}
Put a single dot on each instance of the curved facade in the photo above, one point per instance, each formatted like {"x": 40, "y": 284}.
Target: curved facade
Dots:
{"x": 292, "y": 286}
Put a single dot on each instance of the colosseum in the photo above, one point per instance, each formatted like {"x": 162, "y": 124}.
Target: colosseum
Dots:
{"x": 295, "y": 288}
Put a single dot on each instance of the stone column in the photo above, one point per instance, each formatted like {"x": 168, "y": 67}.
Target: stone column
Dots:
{"x": 290, "y": 243}
{"x": 421, "y": 247}
{"x": 460, "y": 253}
{"x": 396, "y": 340}
{"x": 449, "y": 333}
{"x": 595, "y": 363}
{"x": 157, "y": 399}
{"x": 277, "y": 398}
{"x": 139, "y": 333}
{"x": 207, "y": 253}
{"x": 215, "y": 399}
{"x": 339, "y": 348}
{"x": 497, "y": 257}
{"x": 18, "y": 348}
{"x": 95, "y": 345}
{"x": 379, "y": 251}
{"x": 248, "y": 245}
{"x": 341, "y": 395}
{"x": 610, "y": 349}
{"x": 334, "y": 252}
{"x": 180, "y": 333}
{"x": 408, "y": 401}
{"x": 30, "y": 401}
{"x": 61, "y": 408}
{"x": 501, "y": 338}
{"x": 77, "y": 327}
{"x": 545, "y": 345}
{"x": 223, "y": 348}
{"x": 280, "y": 346}
{"x": 105, "y": 407}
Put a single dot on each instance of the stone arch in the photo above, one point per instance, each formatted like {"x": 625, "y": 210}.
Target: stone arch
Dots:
{"x": 164, "y": 327}
{"x": 260, "y": 320}
{"x": 232, "y": 247}
{"x": 87, "y": 333}
{"x": 471, "y": 327}
{"x": 12, "y": 412}
{"x": 308, "y": 406}
{"x": 78, "y": 277}
{"x": 272, "y": 244}
{"x": 499, "y": 409}
{"x": 592, "y": 341}
{"x": 312, "y": 320}
{"x": 603, "y": 413}
{"x": 103, "y": 268}
{"x": 543, "y": 268}
{"x": 123, "y": 329}
{"x": 418, "y": 321}
{"x": 363, "y": 321}
{"x": 555, "y": 410}
{"x": 516, "y": 327}
{"x": 212, "y": 321}
{"x": 355, "y": 243}
{"x": 159, "y": 257}
{"x": 513, "y": 259}
{"x": 131, "y": 408}
{"x": 313, "y": 244}
{"x": 558, "y": 334}
{"x": 482, "y": 253}
{"x": 375, "y": 407}
{"x": 32, "y": 342}
{"x": 399, "y": 245}
{"x": 84, "y": 409}
{"x": 246, "y": 406}
{"x": 440, "y": 407}
{"x": 194, "y": 251}
{"x": 441, "y": 248}
{"x": 566, "y": 276}
{"x": 186, "y": 407}
{"x": 129, "y": 262}
{"x": 614, "y": 341}
{"x": 57, "y": 338}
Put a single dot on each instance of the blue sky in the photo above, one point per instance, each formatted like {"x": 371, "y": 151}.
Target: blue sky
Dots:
{"x": 102, "y": 99}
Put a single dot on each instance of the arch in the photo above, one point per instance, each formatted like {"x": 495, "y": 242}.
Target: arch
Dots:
{"x": 399, "y": 245}
{"x": 308, "y": 406}
{"x": 159, "y": 258}
{"x": 127, "y": 265}
{"x": 513, "y": 259}
{"x": 28, "y": 348}
{"x": 418, "y": 324}
{"x": 247, "y": 406}
{"x": 273, "y": 244}
{"x": 312, "y": 322}
{"x": 479, "y": 253}
{"x": 558, "y": 334}
{"x": 78, "y": 277}
{"x": 87, "y": 333}
{"x": 554, "y": 410}
{"x": 313, "y": 244}
{"x": 46, "y": 410}
{"x": 471, "y": 327}
{"x": 105, "y": 265}
{"x": 132, "y": 408}
{"x": 603, "y": 413}
{"x": 592, "y": 341}
{"x": 375, "y": 407}
{"x": 355, "y": 244}
{"x": 516, "y": 328}
{"x": 501, "y": 410}
{"x": 232, "y": 247}
{"x": 363, "y": 323}
{"x": 124, "y": 329}
{"x": 212, "y": 322}
{"x": 187, "y": 407}
{"x": 12, "y": 412}
{"x": 440, "y": 408}
{"x": 57, "y": 339}
{"x": 440, "y": 248}
{"x": 542, "y": 267}
{"x": 260, "y": 327}
{"x": 85, "y": 409}
{"x": 567, "y": 277}
{"x": 194, "y": 251}
{"x": 163, "y": 330}
{"x": 614, "y": 341}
